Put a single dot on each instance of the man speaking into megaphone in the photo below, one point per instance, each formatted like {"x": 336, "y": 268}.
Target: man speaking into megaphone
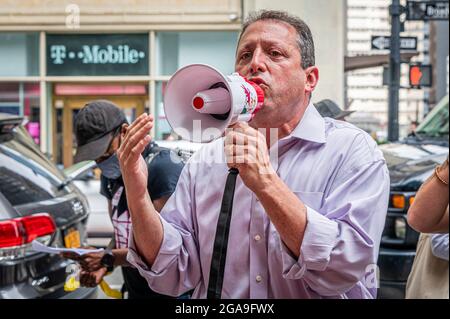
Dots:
{"x": 306, "y": 224}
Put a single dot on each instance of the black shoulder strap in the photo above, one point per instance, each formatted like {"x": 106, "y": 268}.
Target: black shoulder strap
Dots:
{"x": 221, "y": 241}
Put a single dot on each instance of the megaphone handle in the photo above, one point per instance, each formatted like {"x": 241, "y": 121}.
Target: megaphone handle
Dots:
{"x": 221, "y": 241}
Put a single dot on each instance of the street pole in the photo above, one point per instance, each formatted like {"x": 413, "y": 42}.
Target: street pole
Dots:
{"x": 394, "y": 71}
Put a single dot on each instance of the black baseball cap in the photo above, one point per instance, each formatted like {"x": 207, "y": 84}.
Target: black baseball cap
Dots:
{"x": 95, "y": 125}
{"x": 328, "y": 108}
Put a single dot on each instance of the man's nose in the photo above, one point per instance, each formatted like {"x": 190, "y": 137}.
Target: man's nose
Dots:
{"x": 257, "y": 64}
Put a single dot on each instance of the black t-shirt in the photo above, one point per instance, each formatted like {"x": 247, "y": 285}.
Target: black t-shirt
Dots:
{"x": 164, "y": 169}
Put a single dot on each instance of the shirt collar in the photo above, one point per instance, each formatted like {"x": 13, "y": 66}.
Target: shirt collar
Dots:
{"x": 311, "y": 127}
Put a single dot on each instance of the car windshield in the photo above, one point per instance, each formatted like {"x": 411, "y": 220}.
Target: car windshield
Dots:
{"x": 436, "y": 123}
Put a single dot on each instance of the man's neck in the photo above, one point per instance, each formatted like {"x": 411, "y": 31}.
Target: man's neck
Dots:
{"x": 286, "y": 128}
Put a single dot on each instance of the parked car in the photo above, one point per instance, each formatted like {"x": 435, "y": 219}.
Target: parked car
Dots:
{"x": 37, "y": 202}
{"x": 410, "y": 162}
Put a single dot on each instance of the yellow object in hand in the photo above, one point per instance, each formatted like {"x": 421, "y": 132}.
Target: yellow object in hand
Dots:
{"x": 71, "y": 284}
{"x": 113, "y": 293}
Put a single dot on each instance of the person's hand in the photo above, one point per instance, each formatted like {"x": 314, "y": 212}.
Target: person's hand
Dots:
{"x": 132, "y": 164}
{"x": 92, "y": 278}
{"x": 246, "y": 150}
{"x": 88, "y": 262}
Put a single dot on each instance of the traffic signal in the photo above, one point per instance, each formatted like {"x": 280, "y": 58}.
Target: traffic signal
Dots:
{"x": 420, "y": 75}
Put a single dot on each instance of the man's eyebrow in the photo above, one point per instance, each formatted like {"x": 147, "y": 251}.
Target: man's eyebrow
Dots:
{"x": 265, "y": 42}
{"x": 244, "y": 47}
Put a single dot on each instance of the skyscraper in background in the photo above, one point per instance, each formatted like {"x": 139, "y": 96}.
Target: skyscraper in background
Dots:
{"x": 365, "y": 92}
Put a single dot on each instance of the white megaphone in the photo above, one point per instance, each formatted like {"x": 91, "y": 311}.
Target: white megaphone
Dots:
{"x": 200, "y": 102}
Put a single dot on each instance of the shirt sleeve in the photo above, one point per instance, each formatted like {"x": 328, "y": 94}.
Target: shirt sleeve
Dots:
{"x": 176, "y": 269}
{"x": 341, "y": 240}
{"x": 163, "y": 174}
{"x": 439, "y": 245}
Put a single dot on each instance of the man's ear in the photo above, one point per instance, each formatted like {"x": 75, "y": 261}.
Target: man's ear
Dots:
{"x": 123, "y": 131}
{"x": 124, "y": 128}
{"x": 312, "y": 78}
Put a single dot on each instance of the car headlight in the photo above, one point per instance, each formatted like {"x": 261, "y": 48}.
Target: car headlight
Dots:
{"x": 400, "y": 228}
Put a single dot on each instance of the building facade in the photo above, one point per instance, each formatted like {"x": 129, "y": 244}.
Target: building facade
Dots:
{"x": 365, "y": 91}
{"x": 56, "y": 55}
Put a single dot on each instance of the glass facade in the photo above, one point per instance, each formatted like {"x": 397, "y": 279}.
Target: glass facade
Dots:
{"x": 177, "y": 49}
{"x": 19, "y": 53}
{"x": 22, "y": 99}
{"x": 162, "y": 128}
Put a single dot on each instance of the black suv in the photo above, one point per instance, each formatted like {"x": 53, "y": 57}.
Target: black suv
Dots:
{"x": 37, "y": 202}
{"x": 410, "y": 163}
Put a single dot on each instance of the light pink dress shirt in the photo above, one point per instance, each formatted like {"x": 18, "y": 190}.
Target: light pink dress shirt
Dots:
{"x": 334, "y": 168}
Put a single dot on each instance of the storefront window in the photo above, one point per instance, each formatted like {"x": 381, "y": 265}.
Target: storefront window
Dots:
{"x": 19, "y": 53}
{"x": 177, "y": 49}
{"x": 162, "y": 128}
{"x": 22, "y": 99}
{"x": 70, "y": 98}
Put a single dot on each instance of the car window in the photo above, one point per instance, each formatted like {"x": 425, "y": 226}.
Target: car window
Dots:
{"x": 26, "y": 175}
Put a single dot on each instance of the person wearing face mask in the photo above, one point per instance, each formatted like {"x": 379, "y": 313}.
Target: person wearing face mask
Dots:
{"x": 98, "y": 128}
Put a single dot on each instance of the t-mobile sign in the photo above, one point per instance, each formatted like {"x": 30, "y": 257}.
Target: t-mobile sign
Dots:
{"x": 97, "y": 54}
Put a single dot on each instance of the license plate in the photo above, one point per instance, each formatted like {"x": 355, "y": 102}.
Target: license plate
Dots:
{"x": 72, "y": 238}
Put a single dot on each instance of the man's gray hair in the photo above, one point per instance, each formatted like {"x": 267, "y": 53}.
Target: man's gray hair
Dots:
{"x": 305, "y": 39}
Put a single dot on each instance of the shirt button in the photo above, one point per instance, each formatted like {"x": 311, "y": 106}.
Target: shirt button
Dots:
{"x": 258, "y": 278}
{"x": 257, "y": 238}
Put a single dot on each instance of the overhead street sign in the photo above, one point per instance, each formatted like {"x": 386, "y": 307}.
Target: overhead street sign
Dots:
{"x": 427, "y": 10}
{"x": 381, "y": 42}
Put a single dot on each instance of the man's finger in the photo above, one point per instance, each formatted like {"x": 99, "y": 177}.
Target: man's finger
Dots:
{"x": 234, "y": 151}
{"x": 83, "y": 276}
{"x": 90, "y": 279}
{"x": 98, "y": 279}
{"x": 246, "y": 129}
{"x": 135, "y": 127}
{"x": 239, "y": 138}
{"x": 240, "y": 126}
{"x": 133, "y": 154}
{"x": 131, "y": 139}
{"x": 137, "y": 120}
